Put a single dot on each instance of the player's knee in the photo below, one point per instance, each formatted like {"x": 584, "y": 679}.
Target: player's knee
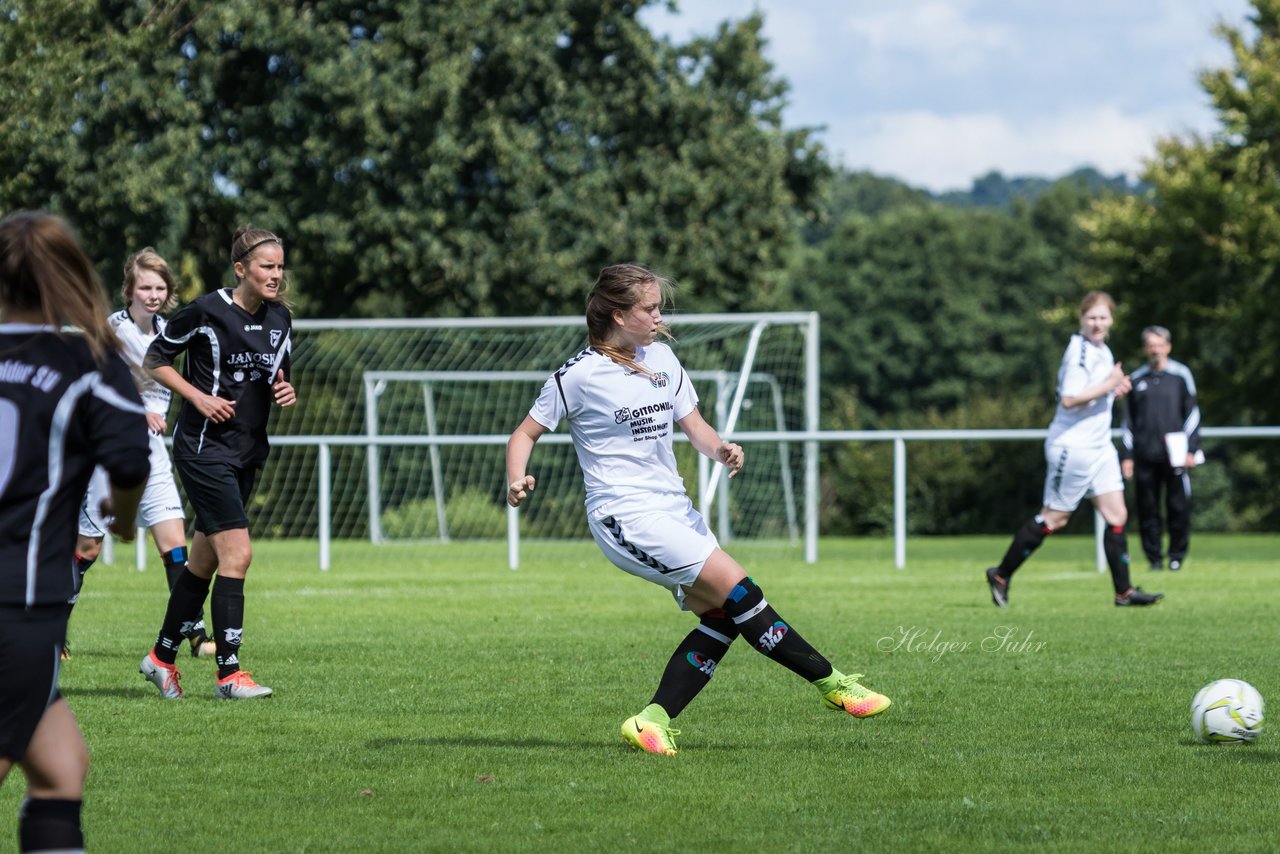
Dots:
{"x": 743, "y": 599}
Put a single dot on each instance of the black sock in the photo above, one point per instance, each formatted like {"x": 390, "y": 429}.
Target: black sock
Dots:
{"x": 1027, "y": 539}
{"x": 82, "y": 565}
{"x": 175, "y": 563}
{"x": 185, "y": 600}
{"x": 226, "y": 606}
{"x": 694, "y": 662}
{"x": 49, "y": 824}
{"x": 1116, "y": 547}
{"x": 760, "y": 625}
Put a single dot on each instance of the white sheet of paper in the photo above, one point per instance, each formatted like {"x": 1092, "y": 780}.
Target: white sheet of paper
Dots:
{"x": 1176, "y": 445}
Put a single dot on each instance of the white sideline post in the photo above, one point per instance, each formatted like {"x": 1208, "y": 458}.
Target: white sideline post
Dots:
{"x": 1099, "y": 527}
{"x": 513, "y": 537}
{"x": 899, "y": 503}
{"x": 323, "y": 480}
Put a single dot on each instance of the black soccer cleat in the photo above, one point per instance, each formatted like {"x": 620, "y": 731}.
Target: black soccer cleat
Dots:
{"x": 999, "y": 588}
{"x": 1135, "y": 596}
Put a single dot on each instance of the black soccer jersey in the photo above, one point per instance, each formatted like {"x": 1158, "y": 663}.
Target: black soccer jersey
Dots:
{"x": 61, "y": 414}
{"x": 231, "y": 354}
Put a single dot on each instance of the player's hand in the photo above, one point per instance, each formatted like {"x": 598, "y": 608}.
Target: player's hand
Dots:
{"x": 155, "y": 423}
{"x": 1120, "y": 383}
{"x": 1126, "y": 469}
{"x": 283, "y": 391}
{"x": 519, "y": 490}
{"x": 126, "y": 534}
{"x": 216, "y": 409}
{"x": 732, "y": 455}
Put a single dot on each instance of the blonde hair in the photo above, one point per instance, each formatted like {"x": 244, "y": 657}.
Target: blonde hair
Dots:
{"x": 617, "y": 289}
{"x": 1093, "y": 298}
{"x": 147, "y": 259}
{"x": 245, "y": 242}
{"x": 44, "y": 269}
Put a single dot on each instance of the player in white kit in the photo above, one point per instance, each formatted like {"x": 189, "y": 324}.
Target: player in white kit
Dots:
{"x": 622, "y": 396}
{"x": 1080, "y": 456}
{"x": 148, "y": 290}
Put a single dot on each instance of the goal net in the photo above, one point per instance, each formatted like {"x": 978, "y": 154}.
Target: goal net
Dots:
{"x": 418, "y": 412}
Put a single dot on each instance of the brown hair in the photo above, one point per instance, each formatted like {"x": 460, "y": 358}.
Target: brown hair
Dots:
{"x": 617, "y": 288}
{"x": 245, "y": 242}
{"x": 1093, "y": 298}
{"x": 147, "y": 259}
{"x": 44, "y": 269}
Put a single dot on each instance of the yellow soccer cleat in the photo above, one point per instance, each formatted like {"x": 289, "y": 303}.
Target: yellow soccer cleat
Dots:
{"x": 849, "y": 696}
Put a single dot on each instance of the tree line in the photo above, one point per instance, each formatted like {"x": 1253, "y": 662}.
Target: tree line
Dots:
{"x": 482, "y": 157}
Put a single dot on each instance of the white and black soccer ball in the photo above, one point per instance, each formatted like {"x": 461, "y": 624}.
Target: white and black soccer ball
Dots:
{"x": 1228, "y": 711}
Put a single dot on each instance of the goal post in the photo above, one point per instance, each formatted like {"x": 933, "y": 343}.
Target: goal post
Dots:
{"x": 435, "y": 399}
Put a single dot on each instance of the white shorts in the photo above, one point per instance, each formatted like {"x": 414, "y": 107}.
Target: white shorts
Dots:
{"x": 160, "y": 499}
{"x": 1075, "y": 474}
{"x": 658, "y": 537}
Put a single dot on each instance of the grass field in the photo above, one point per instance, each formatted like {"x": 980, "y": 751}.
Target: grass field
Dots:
{"x": 429, "y": 699}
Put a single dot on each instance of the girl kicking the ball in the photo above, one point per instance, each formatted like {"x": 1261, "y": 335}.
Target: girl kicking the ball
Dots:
{"x": 621, "y": 396}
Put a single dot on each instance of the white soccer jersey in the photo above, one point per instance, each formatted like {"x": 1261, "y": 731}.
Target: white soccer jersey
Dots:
{"x": 1088, "y": 425}
{"x": 621, "y": 421}
{"x": 134, "y": 342}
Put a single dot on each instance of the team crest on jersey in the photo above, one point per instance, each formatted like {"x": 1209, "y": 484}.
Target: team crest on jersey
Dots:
{"x": 660, "y": 379}
{"x": 275, "y": 337}
{"x": 620, "y": 415}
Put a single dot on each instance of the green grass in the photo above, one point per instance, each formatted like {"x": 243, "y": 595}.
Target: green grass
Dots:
{"x": 429, "y": 699}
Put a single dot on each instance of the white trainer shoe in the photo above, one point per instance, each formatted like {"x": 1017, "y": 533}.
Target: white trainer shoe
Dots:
{"x": 163, "y": 676}
{"x": 240, "y": 686}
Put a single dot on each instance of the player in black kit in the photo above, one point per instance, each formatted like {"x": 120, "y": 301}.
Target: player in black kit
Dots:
{"x": 67, "y": 403}
{"x": 236, "y": 342}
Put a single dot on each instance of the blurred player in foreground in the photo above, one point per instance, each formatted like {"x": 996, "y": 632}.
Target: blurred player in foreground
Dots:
{"x": 67, "y": 404}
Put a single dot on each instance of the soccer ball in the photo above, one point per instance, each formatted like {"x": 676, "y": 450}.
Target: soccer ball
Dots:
{"x": 1227, "y": 711}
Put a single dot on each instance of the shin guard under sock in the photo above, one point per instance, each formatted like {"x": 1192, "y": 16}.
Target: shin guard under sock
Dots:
{"x": 185, "y": 602}
{"x": 765, "y": 630}
{"x": 175, "y": 563}
{"x": 1116, "y": 547}
{"x": 49, "y": 824}
{"x": 1027, "y": 539}
{"x": 694, "y": 662}
{"x": 226, "y": 607}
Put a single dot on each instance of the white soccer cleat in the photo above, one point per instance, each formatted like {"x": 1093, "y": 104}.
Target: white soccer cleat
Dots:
{"x": 240, "y": 686}
{"x": 163, "y": 676}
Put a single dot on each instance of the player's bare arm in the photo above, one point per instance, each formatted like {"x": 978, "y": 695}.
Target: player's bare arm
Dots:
{"x": 519, "y": 449}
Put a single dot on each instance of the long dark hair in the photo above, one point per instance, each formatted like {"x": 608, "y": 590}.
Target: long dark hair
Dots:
{"x": 44, "y": 269}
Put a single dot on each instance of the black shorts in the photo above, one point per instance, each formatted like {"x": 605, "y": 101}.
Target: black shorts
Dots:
{"x": 218, "y": 492}
{"x": 30, "y": 652}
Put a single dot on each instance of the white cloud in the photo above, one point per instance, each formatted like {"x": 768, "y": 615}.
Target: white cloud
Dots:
{"x": 939, "y": 92}
{"x": 943, "y": 36}
{"x": 941, "y": 152}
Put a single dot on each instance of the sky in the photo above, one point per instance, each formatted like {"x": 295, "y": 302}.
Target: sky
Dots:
{"x": 939, "y": 92}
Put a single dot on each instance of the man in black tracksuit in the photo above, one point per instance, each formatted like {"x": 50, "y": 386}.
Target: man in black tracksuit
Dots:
{"x": 1163, "y": 401}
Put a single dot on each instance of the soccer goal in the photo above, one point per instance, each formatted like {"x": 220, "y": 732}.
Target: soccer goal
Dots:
{"x": 434, "y": 401}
